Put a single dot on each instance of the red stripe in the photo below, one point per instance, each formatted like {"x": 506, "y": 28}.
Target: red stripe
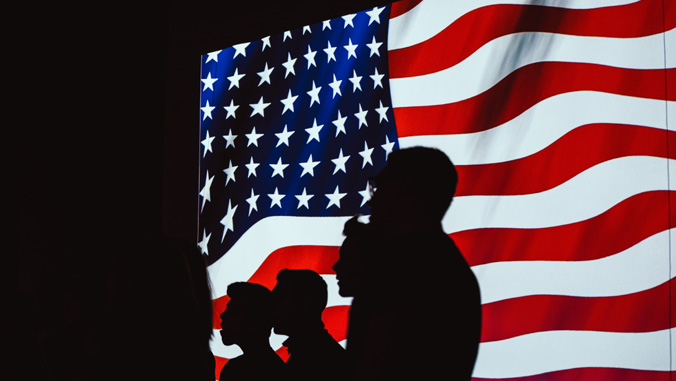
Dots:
{"x": 644, "y": 311}
{"x": 444, "y": 50}
{"x": 492, "y": 108}
{"x": 398, "y": 8}
{"x": 220, "y": 362}
{"x": 619, "y": 228}
{"x": 606, "y": 234}
{"x": 596, "y": 374}
{"x": 573, "y": 153}
{"x": 335, "y": 320}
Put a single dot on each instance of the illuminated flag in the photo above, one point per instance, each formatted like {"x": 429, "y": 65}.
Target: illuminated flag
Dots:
{"x": 557, "y": 116}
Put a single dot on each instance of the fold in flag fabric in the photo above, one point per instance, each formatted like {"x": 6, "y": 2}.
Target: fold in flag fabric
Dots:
{"x": 558, "y": 116}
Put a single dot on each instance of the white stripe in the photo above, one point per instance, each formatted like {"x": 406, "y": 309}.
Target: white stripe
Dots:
{"x": 430, "y": 17}
{"x": 495, "y": 60}
{"x": 669, "y": 46}
{"x": 586, "y": 195}
{"x": 550, "y": 351}
{"x": 268, "y": 235}
{"x": 543, "y": 124}
{"x": 639, "y": 268}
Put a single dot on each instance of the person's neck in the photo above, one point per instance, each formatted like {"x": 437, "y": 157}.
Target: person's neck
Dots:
{"x": 307, "y": 329}
{"x": 255, "y": 346}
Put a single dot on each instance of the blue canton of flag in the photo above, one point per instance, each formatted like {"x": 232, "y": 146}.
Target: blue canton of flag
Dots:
{"x": 293, "y": 125}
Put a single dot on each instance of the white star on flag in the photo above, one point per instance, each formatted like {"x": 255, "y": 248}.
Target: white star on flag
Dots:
{"x": 382, "y": 112}
{"x": 388, "y": 147}
{"x": 229, "y": 139}
{"x": 288, "y": 65}
{"x": 253, "y": 137}
{"x": 310, "y": 57}
{"x": 361, "y": 115}
{"x": 213, "y": 56}
{"x": 334, "y": 198}
{"x": 365, "y": 195}
{"x": 351, "y": 49}
{"x": 335, "y": 85}
{"x": 227, "y": 220}
{"x": 283, "y": 137}
{"x": 349, "y": 20}
{"x": 251, "y": 167}
{"x": 288, "y": 102}
{"x": 278, "y": 168}
{"x": 235, "y": 78}
{"x": 308, "y": 167}
{"x": 330, "y": 52}
{"x": 314, "y": 93}
{"x": 340, "y": 162}
{"x": 259, "y": 108}
{"x": 374, "y": 14}
{"x": 265, "y": 74}
{"x": 313, "y": 132}
{"x": 355, "y": 79}
{"x": 204, "y": 243}
{"x": 373, "y": 47}
{"x": 240, "y": 49}
{"x": 230, "y": 172}
{"x": 207, "y": 109}
{"x": 207, "y": 144}
{"x": 252, "y": 202}
{"x": 366, "y": 155}
{"x": 377, "y": 79}
{"x": 266, "y": 43}
{"x": 276, "y": 198}
{"x": 340, "y": 124}
{"x": 303, "y": 199}
{"x": 206, "y": 190}
{"x": 209, "y": 82}
{"x": 231, "y": 110}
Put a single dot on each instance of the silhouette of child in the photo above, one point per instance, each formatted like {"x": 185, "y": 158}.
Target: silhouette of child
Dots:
{"x": 247, "y": 322}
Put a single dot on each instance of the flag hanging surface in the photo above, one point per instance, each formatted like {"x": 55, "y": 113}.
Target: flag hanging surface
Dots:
{"x": 557, "y": 116}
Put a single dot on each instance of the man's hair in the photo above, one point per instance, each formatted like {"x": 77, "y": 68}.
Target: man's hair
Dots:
{"x": 305, "y": 286}
{"x": 254, "y": 301}
{"x": 355, "y": 228}
{"x": 426, "y": 175}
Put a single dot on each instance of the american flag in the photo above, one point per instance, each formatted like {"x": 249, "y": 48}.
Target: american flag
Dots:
{"x": 557, "y": 115}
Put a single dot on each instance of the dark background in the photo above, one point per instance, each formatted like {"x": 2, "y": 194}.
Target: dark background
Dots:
{"x": 107, "y": 137}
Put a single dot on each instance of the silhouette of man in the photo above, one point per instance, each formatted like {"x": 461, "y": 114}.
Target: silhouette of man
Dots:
{"x": 418, "y": 313}
{"x": 247, "y": 322}
{"x": 351, "y": 268}
{"x": 299, "y": 299}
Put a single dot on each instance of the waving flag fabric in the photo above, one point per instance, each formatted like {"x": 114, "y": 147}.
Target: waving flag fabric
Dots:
{"x": 558, "y": 116}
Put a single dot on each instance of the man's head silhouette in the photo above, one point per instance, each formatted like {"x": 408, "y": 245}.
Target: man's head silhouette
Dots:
{"x": 415, "y": 188}
{"x": 299, "y": 299}
{"x": 248, "y": 314}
